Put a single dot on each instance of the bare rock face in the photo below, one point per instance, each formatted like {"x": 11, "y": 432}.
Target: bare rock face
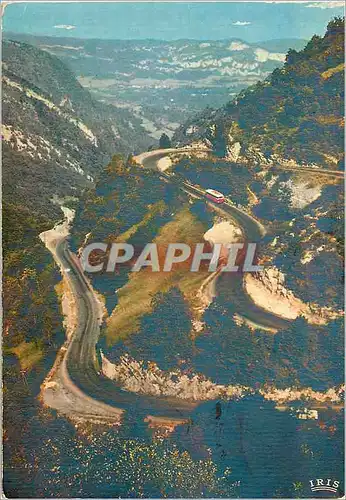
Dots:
{"x": 256, "y": 156}
{"x": 302, "y": 193}
{"x": 233, "y": 152}
{"x": 207, "y": 143}
{"x": 148, "y": 378}
{"x": 211, "y": 130}
{"x": 252, "y": 154}
{"x": 193, "y": 129}
{"x": 273, "y": 279}
{"x": 136, "y": 376}
{"x": 267, "y": 289}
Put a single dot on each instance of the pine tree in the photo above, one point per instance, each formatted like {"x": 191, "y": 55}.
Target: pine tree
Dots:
{"x": 165, "y": 141}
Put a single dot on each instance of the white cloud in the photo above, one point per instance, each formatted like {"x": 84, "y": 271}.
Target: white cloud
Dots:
{"x": 325, "y": 5}
{"x": 65, "y": 26}
{"x": 321, "y": 4}
{"x": 241, "y": 23}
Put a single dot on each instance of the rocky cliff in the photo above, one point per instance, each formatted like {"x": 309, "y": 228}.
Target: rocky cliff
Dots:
{"x": 56, "y": 137}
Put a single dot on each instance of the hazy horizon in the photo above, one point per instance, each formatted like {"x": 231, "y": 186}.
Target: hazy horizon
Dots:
{"x": 240, "y": 39}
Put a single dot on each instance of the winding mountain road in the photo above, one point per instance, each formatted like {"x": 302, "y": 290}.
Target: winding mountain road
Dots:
{"x": 76, "y": 388}
{"x": 253, "y": 231}
{"x": 340, "y": 174}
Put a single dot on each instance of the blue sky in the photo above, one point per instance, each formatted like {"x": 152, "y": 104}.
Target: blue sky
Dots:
{"x": 250, "y": 21}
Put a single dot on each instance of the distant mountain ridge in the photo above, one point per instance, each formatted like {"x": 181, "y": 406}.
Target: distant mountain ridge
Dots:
{"x": 161, "y": 80}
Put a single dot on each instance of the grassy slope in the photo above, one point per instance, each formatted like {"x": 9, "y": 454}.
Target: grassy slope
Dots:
{"x": 136, "y": 297}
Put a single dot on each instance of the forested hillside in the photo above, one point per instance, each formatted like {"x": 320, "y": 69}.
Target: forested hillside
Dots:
{"x": 296, "y": 113}
{"x": 130, "y": 204}
{"x": 56, "y": 137}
